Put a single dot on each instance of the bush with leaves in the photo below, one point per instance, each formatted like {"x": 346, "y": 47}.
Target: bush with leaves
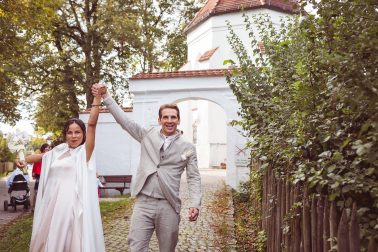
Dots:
{"x": 310, "y": 101}
{"x": 5, "y": 154}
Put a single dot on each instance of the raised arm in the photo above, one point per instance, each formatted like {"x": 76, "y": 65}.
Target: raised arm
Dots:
{"x": 91, "y": 130}
{"x": 134, "y": 129}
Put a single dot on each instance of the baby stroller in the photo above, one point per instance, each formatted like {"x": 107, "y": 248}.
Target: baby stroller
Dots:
{"x": 19, "y": 184}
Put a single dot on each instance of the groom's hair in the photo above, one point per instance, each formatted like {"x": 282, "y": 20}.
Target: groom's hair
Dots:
{"x": 78, "y": 122}
{"x": 170, "y": 106}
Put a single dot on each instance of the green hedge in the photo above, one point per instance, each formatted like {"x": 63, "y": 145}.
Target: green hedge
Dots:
{"x": 309, "y": 100}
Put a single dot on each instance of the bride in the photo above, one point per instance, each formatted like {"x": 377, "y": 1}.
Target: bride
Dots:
{"x": 67, "y": 214}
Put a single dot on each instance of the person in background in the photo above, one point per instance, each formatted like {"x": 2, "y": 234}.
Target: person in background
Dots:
{"x": 36, "y": 172}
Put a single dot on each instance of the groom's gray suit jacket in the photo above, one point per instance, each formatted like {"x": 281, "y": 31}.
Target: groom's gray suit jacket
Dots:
{"x": 168, "y": 167}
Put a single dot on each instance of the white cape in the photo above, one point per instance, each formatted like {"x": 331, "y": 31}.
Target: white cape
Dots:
{"x": 87, "y": 208}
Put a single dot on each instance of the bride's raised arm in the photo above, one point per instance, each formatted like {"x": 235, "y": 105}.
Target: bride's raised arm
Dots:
{"x": 92, "y": 122}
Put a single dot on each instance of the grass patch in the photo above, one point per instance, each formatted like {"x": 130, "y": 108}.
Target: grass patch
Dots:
{"x": 114, "y": 209}
{"x": 247, "y": 216}
{"x": 221, "y": 209}
{"x": 16, "y": 235}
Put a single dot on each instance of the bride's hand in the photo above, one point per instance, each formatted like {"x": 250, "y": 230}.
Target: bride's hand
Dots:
{"x": 19, "y": 163}
{"x": 98, "y": 89}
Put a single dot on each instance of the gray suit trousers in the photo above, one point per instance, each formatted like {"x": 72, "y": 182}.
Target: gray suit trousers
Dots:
{"x": 149, "y": 215}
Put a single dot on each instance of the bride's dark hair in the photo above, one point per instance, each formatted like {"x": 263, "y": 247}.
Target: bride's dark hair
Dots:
{"x": 78, "y": 122}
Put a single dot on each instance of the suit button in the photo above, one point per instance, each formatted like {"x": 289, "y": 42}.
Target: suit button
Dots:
{"x": 162, "y": 157}
{"x": 158, "y": 166}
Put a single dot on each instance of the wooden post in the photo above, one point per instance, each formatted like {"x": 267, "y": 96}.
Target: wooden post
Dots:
{"x": 264, "y": 199}
{"x": 278, "y": 229}
{"x": 286, "y": 212}
{"x": 372, "y": 247}
{"x": 326, "y": 226}
{"x": 306, "y": 223}
{"x": 342, "y": 234}
{"x": 319, "y": 221}
{"x": 270, "y": 219}
{"x": 334, "y": 219}
{"x": 297, "y": 221}
{"x": 354, "y": 231}
{"x": 314, "y": 236}
{"x": 282, "y": 212}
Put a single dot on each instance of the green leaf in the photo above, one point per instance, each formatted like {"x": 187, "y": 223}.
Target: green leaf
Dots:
{"x": 228, "y": 62}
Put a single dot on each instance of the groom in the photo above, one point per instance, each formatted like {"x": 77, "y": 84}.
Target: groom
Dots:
{"x": 164, "y": 157}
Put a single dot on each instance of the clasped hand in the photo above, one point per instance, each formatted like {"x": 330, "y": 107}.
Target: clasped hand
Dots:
{"x": 98, "y": 89}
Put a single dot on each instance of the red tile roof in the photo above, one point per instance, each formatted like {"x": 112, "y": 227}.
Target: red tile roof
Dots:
{"x": 105, "y": 110}
{"x": 218, "y": 7}
{"x": 178, "y": 74}
{"x": 207, "y": 55}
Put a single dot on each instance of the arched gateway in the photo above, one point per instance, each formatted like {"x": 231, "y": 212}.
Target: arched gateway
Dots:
{"x": 202, "y": 77}
{"x": 152, "y": 90}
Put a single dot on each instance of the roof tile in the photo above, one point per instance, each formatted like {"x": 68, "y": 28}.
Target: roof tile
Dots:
{"x": 105, "y": 110}
{"x": 180, "y": 74}
{"x": 207, "y": 55}
{"x": 218, "y": 7}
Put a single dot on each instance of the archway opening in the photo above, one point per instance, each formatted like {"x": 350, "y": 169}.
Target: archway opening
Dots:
{"x": 204, "y": 123}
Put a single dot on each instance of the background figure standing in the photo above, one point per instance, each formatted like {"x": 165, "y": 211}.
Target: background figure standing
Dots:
{"x": 36, "y": 172}
{"x": 165, "y": 155}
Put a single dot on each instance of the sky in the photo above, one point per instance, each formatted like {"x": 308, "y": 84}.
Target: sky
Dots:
{"x": 22, "y": 125}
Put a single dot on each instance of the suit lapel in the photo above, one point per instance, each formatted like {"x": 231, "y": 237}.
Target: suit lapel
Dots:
{"x": 156, "y": 142}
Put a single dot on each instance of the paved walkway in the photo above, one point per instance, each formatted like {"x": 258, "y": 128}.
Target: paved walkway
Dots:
{"x": 8, "y": 216}
{"x": 194, "y": 236}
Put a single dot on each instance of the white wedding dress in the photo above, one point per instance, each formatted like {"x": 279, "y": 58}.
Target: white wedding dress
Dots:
{"x": 67, "y": 215}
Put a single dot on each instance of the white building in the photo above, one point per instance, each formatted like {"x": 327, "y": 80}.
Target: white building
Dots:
{"x": 206, "y": 102}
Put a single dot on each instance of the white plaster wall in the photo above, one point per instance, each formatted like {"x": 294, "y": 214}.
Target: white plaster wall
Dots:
{"x": 114, "y": 147}
{"x": 186, "y": 120}
{"x": 215, "y": 89}
{"x": 214, "y": 32}
{"x": 217, "y": 134}
{"x": 203, "y": 147}
{"x": 117, "y": 153}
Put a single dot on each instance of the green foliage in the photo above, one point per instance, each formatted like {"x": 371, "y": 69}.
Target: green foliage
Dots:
{"x": 310, "y": 102}
{"x": 53, "y": 51}
{"x": 220, "y": 208}
{"x": 5, "y": 154}
{"x": 248, "y": 214}
{"x": 10, "y": 45}
{"x": 176, "y": 49}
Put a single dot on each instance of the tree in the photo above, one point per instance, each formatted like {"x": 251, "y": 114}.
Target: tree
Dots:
{"x": 176, "y": 47}
{"x": 82, "y": 43}
{"x": 5, "y": 154}
{"x": 73, "y": 44}
{"x": 10, "y": 44}
{"x": 310, "y": 102}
